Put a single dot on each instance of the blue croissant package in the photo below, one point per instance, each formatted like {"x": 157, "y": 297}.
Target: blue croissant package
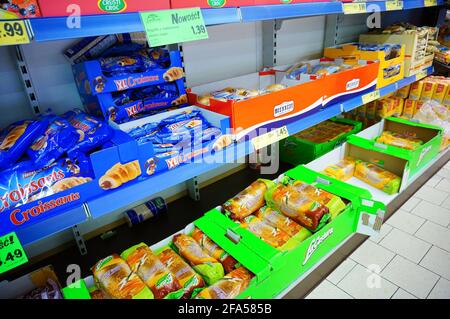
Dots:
{"x": 92, "y": 132}
{"x": 122, "y": 50}
{"x": 17, "y": 138}
{"x": 25, "y": 182}
{"x": 59, "y": 137}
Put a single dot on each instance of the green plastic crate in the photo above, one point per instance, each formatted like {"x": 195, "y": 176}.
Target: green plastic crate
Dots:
{"x": 296, "y": 151}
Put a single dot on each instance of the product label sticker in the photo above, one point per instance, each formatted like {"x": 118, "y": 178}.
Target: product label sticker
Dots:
{"x": 269, "y": 138}
{"x": 421, "y": 75}
{"x": 174, "y": 26}
{"x": 372, "y": 96}
{"x": 429, "y": 3}
{"x": 393, "y": 5}
{"x": 12, "y": 254}
{"x": 13, "y": 33}
{"x": 354, "y": 8}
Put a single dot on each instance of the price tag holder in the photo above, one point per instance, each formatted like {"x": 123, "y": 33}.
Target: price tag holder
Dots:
{"x": 12, "y": 254}
{"x": 354, "y": 8}
{"x": 269, "y": 138}
{"x": 429, "y": 3}
{"x": 372, "y": 96}
{"x": 394, "y": 5}
{"x": 421, "y": 75}
{"x": 13, "y": 32}
{"x": 174, "y": 26}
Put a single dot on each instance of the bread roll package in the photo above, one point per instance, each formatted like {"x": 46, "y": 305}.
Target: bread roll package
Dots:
{"x": 247, "y": 201}
{"x": 404, "y": 140}
{"x": 229, "y": 287}
{"x": 187, "y": 277}
{"x": 113, "y": 275}
{"x": 271, "y": 235}
{"x": 227, "y": 261}
{"x": 208, "y": 267}
{"x": 377, "y": 177}
{"x": 295, "y": 205}
{"x": 152, "y": 271}
{"x": 343, "y": 170}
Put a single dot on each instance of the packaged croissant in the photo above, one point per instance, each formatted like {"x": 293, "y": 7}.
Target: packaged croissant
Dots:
{"x": 113, "y": 275}
{"x": 377, "y": 177}
{"x": 152, "y": 271}
{"x": 187, "y": 277}
{"x": 406, "y": 140}
{"x": 120, "y": 174}
{"x": 208, "y": 267}
{"x": 343, "y": 170}
{"x": 334, "y": 203}
{"x": 229, "y": 287}
{"x": 272, "y": 235}
{"x": 16, "y": 139}
{"x": 295, "y": 205}
{"x": 279, "y": 221}
{"x": 227, "y": 261}
{"x": 248, "y": 201}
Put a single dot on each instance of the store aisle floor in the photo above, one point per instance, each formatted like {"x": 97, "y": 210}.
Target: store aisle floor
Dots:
{"x": 409, "y": 259}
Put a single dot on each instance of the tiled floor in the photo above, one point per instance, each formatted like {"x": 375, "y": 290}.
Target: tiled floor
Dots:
{"x": 409, "y": 259}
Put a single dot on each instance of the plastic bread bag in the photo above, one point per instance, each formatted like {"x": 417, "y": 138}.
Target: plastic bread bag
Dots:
{"x": 122, "y": 65}
{"x": 227, "y": 261}
{"x": 153, "y": 272}
{"x": 334, "y": 203}
{"x": 278, "y": 220}
{"x": 229, "y": 287}
{"x": 377, "y": 177}
{"x": 295, "y": 205}
{"x": 17, "y": 138}
{"x": 145, "y": 133}
{"x": 115, "y": 278}
{"x": 436, "y": 114}
{"x": 26, "y": 182}
{"x": 271, "y": 235}
{"x": 92, "y": 132}
{"x": 249, "y": 200}
{"x": 343, "y": 170}
{"x": 187, "y": 277}
{"x": 208, "y": 267}
{"x": 58, "y": 138}
{"x": 405, "y": 140}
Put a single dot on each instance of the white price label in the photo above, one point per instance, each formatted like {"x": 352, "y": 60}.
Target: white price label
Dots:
{"x": 421, "y": 75}
{"x": 372, "y": 96}
{"x": 393, "y": 5}
{"x": 354, "y": 8}
{"x": 269, "y": 138}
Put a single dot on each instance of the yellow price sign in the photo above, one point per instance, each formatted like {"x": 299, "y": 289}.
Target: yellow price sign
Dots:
{"x": 271, "y": 137}
{"x": 429, "y": 3}
{"x": 421, "y": 75}
{"x": 13, "y": 32}
{"x": 372, "y": 96}
{"x": 354, "y": 8}
{"x": 394, "y": 5}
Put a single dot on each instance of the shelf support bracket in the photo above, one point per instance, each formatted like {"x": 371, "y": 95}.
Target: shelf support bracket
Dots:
{"x": 193, "y": 189}
{"x": 27, "y": 80}
{"x": 79, "y": 240}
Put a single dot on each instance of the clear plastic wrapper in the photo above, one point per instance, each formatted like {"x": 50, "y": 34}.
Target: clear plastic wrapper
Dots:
{"x": 343, "y": 170}
{"x": 377, "y": 177}
{"x": 272, "y": 235}
{"x": 405, "y": 140}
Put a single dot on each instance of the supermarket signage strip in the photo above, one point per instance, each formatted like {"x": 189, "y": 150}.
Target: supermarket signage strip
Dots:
{"x": 58, "y": 28}
{"x": 12, "y": 254}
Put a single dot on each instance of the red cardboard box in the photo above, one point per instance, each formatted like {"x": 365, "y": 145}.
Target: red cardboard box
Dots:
{"x": 53, "y": 8}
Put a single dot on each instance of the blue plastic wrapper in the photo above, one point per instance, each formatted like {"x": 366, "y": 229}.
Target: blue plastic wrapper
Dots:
{"x": 26, "y": 182}
{"x": 92, "y": 132}
{"x": 122, "y": 50}
{"x": 17, "y": 138}
{"x": 145, "y": 133}
{"x": 120, "y": 65}
{"x": 59, "y": 137}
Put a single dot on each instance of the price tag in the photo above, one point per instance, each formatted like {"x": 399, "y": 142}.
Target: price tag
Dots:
{"x": 421, "y": 75}
{"x": 354, "y": 8}
{"x": 271, "y": 137}
{"x": 13, "y": 32}
{"x": 394, "y": 5}
{"x": 12, "y": 254}
{"x": 429, "y": 3}
{"x": 372, "y": 96}
{"x": 174, "y": 26}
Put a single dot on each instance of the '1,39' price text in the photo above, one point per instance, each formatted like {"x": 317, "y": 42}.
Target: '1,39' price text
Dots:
{"x": 198, "y": 29}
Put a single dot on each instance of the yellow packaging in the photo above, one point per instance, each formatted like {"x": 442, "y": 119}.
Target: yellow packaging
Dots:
{"x": 371, "y": 111}
{"x": 403, "y": 93}
{"x": 409, "y": 108}
{"x": 377, "y": 177}
{"x": 446, "y": 101}
{"x": 416, "y": 91}
{"x": 398, "y": 110}
{"x": 342, "y": 171}
{"x": 428, "y": 90}
{"x": 418, "y": 106}
{"x": 440, "y": 92}
{"x": 386, "y": 107}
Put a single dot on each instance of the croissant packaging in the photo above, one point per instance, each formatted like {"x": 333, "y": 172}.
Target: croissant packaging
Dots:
{"x": 419, "y": 143}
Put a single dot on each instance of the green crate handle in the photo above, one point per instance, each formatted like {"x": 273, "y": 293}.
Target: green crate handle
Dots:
{"x": 323, "y": 181}
{"x": 380, "y": 145}
{"x": 233, "y": 236}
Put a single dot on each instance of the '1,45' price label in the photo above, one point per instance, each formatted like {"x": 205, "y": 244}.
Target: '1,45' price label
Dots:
{"x": 12, "y": 254}
{"x": 269, "y": 138}
{"x": 174, "y": 26}
{"x": 372, "y": 96}
{"x": 13, "y": 32}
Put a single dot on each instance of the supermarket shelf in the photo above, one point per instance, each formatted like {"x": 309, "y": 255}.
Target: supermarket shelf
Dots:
{"x": 48, "y": 29}
{"x": 138, "y": 192}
